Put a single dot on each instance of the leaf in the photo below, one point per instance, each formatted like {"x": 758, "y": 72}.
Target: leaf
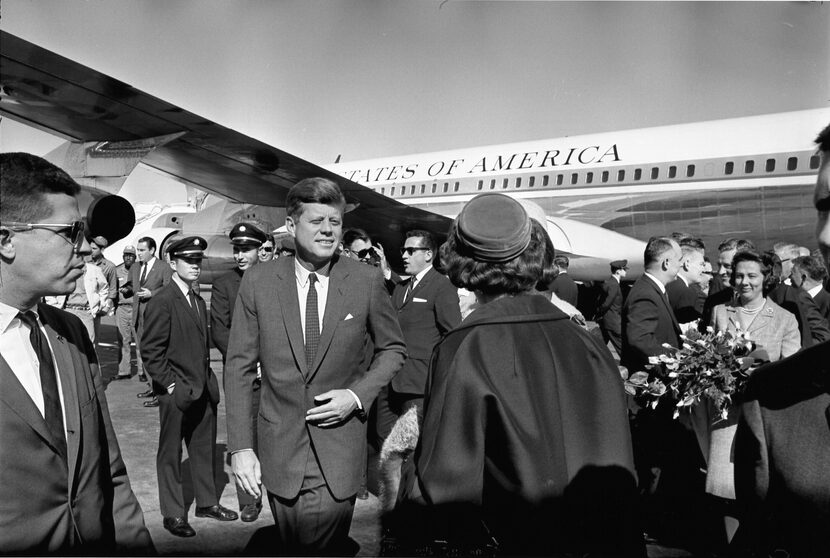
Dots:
{"x": 638, "y": 378}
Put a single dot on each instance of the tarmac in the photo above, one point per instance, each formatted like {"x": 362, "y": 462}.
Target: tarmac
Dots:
{"x": 137, "y": 429}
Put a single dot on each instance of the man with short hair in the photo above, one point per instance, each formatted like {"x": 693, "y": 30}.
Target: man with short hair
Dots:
{"x": 247, "y": 240}
{"x": 812, "y": 325}
{"x": 685, "y": 296}
{"x": 428, "y": 308}
{"x": 305, "y": 320}
{"x": 96, "y": 247}
{"x": 782, "y": 446}
{"x": 124, "y": 315}
{"x": 563, "y": 286}
{"x": 176, "y": 352}
{"x": 266, "y": 251}
{"x": 64, "y": 488}
{"x": 786, "y": 253}
{"x": 609, "y": 308}
{"x": 284, "y": 247}
{"x": 359, "y": 246}
{"x": 809, "y": 274}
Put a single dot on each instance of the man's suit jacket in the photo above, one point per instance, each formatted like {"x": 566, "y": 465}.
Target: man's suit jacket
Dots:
{"x": 782, "y": 454}
{"x": 686, "y": 301}
{"x": 565, "y": 288}
{"x": 427, "y": 314}
{"x": 175, "y": 347}
{"x": 610, "y": 306}
{"x": 157, "y": 277}
{"x": 222, "y": 299}
{"x": 822, "y": 300}
{"x": 814, "y": 329}
{"x": 267, "y": 328}
{"x": 647, "y": 323}
{"x": 44, "y": 509}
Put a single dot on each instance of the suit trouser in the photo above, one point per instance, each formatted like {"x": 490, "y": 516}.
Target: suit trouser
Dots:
{"x": 197, "y": 427}
{"x": 313, "y": 522}
{"x": 243, "y": 497}
{"x": 614, "y": 336}
{"x": 124, "y": 320}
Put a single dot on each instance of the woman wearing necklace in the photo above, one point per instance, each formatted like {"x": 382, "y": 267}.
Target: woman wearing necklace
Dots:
{"x": 775, "y": 334}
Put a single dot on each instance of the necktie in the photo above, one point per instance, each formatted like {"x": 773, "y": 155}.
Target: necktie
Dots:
{"x": 312, "y": 322}
{"x": 409, "y": 288}
{"x": 191, "y": 296}
{"x": 48, "y": 381}
{"x": 143, "y": 275}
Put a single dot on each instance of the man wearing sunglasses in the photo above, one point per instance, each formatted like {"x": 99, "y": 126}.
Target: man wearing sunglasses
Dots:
{"x": 358, "y": 246}
{"x": 266, "y": 251}
{"x": 63, "y": 484}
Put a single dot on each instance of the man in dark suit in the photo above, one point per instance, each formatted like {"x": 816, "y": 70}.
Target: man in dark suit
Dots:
{"x": 306, "y": 320}
{"x": 685, "y": 296}
{"x": 427, "y": 305}
{"x": 177, "y": 357}
{"x": 782, "y": 446}
{"x": 563, "y": 286}
{"x": 146, "y": 279}
{"x": 63, "y": 485}
{"x": 609, "y": 307}
{"x": 809, "y": 274}
{"x": 812, "y": 325}
{"x": 247, "y": 239}
{"x": 359, "y": 246}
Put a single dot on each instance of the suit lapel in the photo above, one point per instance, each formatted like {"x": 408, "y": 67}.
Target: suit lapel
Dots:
{"x": 333, "y": 314}
{"x": 69, "y": 386}
{"x": 286, "y": 293}
{"x": 400, "y": 301}
{"x": 665, "y": 298}
{"x": 184, "y": 306}
{"x": 17, "y": 399}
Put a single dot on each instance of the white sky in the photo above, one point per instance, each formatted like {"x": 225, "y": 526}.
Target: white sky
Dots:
{"x": 376, "y": 78}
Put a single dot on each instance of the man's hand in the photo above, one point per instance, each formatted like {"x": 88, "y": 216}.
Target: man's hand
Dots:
{"x": 144, "y": 293}
{"x": 384, "y": 265}
{"x": 333, "y": 408}
{"x": 246, "y": 470}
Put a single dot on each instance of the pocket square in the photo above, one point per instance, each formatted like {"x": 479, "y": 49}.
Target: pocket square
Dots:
{"x": 416, "y": 299}
{"x": 348, "y": 317}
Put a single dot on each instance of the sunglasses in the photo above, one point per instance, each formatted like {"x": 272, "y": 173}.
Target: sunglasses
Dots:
{"x": 267, "y": 248}
{"x": 366, "y": 252}
{"x": 411, "y": 250}
{"x": 71, "y": 232}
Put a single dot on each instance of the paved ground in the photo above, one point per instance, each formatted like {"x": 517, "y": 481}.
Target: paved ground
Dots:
{"x": 137, "y": 430}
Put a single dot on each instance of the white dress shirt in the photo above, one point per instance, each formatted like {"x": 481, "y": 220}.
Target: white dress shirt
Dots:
{"x": 657, "y": 282}
{"x": 19, "y": 354}
{"x": 815, "y": 290}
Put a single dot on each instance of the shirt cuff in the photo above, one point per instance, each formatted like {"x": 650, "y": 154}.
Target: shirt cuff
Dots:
{"x": 387, "y": 274}
{"x": 356, "y": 399}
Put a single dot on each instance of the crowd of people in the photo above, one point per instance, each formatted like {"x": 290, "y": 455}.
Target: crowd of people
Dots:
{"x": 499, "y": 414}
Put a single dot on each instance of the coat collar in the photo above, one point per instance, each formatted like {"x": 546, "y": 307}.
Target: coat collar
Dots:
{"x": 528, "y": 307}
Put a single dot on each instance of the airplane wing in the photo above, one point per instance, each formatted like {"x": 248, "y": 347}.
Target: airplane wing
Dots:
{"x": 53, "y": 93}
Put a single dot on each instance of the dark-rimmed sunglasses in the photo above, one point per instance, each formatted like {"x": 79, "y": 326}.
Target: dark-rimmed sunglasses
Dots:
{"x": 71, "y": 232}
{"x": 411, "y": 250}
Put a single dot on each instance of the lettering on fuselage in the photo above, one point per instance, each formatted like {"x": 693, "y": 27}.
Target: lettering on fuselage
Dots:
{"x": 552, "y": 158}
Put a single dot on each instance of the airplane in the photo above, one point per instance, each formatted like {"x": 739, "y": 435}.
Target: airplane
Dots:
{"x": 606, "y": 181}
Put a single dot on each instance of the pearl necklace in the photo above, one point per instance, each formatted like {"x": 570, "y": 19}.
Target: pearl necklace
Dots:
{"x": 751, "y": 310}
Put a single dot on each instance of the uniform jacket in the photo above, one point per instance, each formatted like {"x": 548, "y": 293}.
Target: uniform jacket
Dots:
{"x": 610, "y": 305}
{"x": 429, "y": 312}
{"x": 565, "y": 288}
{"x": 782, "y": 454}
{"x": 525, "y": 430}
{"x": 647, "y": 323}
{"x": 686, "y": 301}
{"x": 157, "y": 277}
{"x": 175, "y": 347}
{"x": 267, "y": 328}
{"x": 43, "y": 508}
{"x": 222, "y": 299}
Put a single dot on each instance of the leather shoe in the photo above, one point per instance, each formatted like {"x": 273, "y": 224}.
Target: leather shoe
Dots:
{"x": 217, "y": 512}
{"x": 148, "y": 393}
{"x": 142, "y": 377}
{"x": 179, "y": 526}
{"x": 154, "y": 402}
{"x": 250, "y": 512}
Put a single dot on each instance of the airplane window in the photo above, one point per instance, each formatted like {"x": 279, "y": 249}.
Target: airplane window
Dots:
{"x": 792, "y": 163}
{"x": 605, "y": 176}
{"x": 654, "y": 173}
{"x": 559, "y": 179}
{"x": 545, "y": 180}
{"x": 434, "y": 186}
{"x": 480, "y": 184}
{"x": 455, "y": 188}
{"x": 589, "y": 177}
{"x": 749, "y": 167}
{"x": 412, "y": 190}
{"x": 690, "y": 170}
{"x": 531, "y": 181}
{"x": 770, "y": 166}
{"x": 672, "y": 171}
{"x": 392, "y": 191}
{"x": 446, "y": 186}
{"x": 814, "y": 162}
{"x": 504, "y": 183}
{"x": 424, "y": 188}
{"x": 574, "y": 178}
{"x": 518, "y": 182}
{"x": 729, "y": 168}
{"x": 383, "y": 190}
{"x": 492, "y": 183}
{"x": 620, "y": 175}
{"x": 638, "y": 174}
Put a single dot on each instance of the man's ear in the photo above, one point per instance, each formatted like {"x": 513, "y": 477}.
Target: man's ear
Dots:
{"x": 7, "y": 247}
{"x": 428, "y": 255}
{"x": 289, "y": 225}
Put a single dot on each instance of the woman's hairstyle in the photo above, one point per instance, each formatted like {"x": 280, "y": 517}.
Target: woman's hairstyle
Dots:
{"x": 518, "y": 275}
{"x": 765, "y": 263}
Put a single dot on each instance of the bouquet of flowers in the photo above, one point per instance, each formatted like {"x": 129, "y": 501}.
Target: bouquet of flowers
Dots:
{"x": 708, "y": 365}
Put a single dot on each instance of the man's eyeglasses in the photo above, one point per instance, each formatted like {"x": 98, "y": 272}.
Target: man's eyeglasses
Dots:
{"x": 411, "y": 250}
{"x": 71, "y": 232}
{"x": 267, "y": 248}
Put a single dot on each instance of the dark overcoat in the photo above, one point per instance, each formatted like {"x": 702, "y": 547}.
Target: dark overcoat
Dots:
{"x": 647, "y": 323}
